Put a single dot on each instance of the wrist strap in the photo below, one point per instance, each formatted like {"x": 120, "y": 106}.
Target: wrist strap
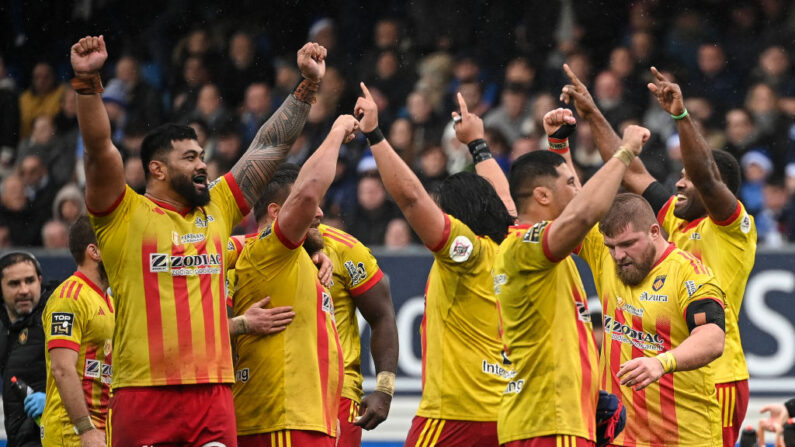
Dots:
{"x": 306, "y": 91}
{"x": 385, "y": 382}
{"x": 242, "y": 323}
{"x": 790, "y": 404}
{"x": 88, "y": 85}
{"x": 625, "y": 155}
{"x": 479, "y": 150}
{"x": 557, "y": 145}
{"x": 668, "y": 362}
{"x": 83, "y": 425}
{"x": 678, "y": 117}
{"x": 374, "y": 137}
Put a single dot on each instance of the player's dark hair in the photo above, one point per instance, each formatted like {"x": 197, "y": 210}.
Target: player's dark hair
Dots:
{"x": 158, "y": 143}
{"x": 17, "y": 257}
{"x": 471, "y": 199}
{"x": 81, "y": 235}
{"x": 729, "y": 169}
{"x": 277, "y": 189}
{"x": 530, "y": 171}
{"x": 627, "y": 209}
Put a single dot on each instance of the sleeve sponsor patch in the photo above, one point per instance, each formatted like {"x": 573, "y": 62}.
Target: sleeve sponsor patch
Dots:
{"x": 461, "y": 249}
{"x": 357, "y": 272}
{"x": 62, "y": 324}
{"x": 745, "y": 224}
{"x": 266, "y": 232}
{"x": 691, "y": 287}
{"x": 534, "y": 233}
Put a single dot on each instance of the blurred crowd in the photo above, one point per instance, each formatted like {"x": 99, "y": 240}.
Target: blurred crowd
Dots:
{"x": 224, "y": 71}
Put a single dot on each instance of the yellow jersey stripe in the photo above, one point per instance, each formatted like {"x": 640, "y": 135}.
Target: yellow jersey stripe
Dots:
{"x": 431, "y": 432}
{"x": 438, "y": 432}
{"x": 422, "y": 434}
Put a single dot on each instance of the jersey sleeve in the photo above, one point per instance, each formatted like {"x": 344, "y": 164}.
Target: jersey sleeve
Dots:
{"x": 697, "y": 282}
{"x": 532, "y": 253}
{"x": 361, "y": 269}
{"x": 460, "y": 246}
{"x": 739, "y": 228}
{"x": 666, "y": 218}
{"x": 234, "y": 246}
{"x": 111, "y": 225}
{"x": 226, "y": 195}
{"x": 593, "y": 251}
{"x": 64, "y": 321}
{"x": 271, "y": 251}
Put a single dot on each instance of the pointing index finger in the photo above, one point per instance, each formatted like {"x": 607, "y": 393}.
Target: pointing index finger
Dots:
{"x": 574, "y": 79}
{"x": 462, "y": 104}
{"x": 658, "y": 75}
{"x": 367, "y": 94}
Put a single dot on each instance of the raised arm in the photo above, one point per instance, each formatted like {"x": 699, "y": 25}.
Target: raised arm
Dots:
{"x": 595, "y": 198}
{"x": 637, "y": 178}
{"x": 103, "y": 165}
{"x": 316, "y": 175}
{"x": 553, "y": 122}
{"x": 376, "y": 307}
{"x": 273, "y": 140}
{"x": 422, "y": 213}
{"x": 469, "y": 130}
{"x": 697, "y": 157}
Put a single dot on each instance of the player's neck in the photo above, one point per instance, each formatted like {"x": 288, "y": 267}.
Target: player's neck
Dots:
{"x": 167, "y": 196}
{"x": 91, "y": 271}
{"x": 533, "y": 215}
{"x": 660, "y": 245}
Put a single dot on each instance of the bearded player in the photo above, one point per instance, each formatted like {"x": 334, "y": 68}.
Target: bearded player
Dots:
{"x": 164, "y": 253}
{"x": 704, "y": 218}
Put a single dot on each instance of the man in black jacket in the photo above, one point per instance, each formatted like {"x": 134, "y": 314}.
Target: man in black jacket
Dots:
{"x": 22, "y": 346}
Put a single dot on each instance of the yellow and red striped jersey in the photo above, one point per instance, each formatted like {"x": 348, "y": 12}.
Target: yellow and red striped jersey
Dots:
{"x": 166, "y": 269}
{"x": 548, "y": 337}
{"x": 681, "y": 409}
{"x": 463, "y": 375}
{"x": 355, "y": 272}
{"x": 729, "y": 249}
{"x": 290, "y": 380}
{"x": 79, "y": 316}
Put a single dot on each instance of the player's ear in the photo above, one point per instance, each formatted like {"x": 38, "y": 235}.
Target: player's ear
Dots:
{"x": 93, "y": 251}
{"x": 273, "y": 210}
{"x": 157, "y": 169}
{"x": 542, "y": 195}
{"x": 655, "y": 231}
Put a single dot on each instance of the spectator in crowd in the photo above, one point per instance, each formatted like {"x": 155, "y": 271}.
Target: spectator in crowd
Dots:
{"x": 401, "y": 135}
{"x": 55, "y": 235}
{"x": 186, "y": 91}
{"x": 512, "y": 115}
{"x": 9, "y": 125}
{"x": 373, "y": 211}
{"x": 22, "y": 341}
{"x": 427, "y": 125}
{"x": 115, "y": 99}
{"x": 42, "y": 98}
{"x": 398, "y": 235}
{"x": 16, "y": 214}
{"x": 69, "y": 203}
{"x": 257, "y": 108}
{"x": 432, "y": 168}
{"x": 713, "y": 79}
{"x": 610, "y": 97}
{"x": 741, "y": 132}
{"x": 242, "y": 68}
{"x": 143, "y": 100}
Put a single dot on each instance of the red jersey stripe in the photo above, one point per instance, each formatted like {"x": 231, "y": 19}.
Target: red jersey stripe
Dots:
{"x": 639, "y": 397}
{"x": 340, "y": 234}
{"x": 206, "y": 286}
{"x": 586, "y": 396}
{"x": 345, "y": 242}
{"x": 615, "y": 363}
{"x": 88, "y": 382}
{"x": 545, "y": 245}
{"x": 284, "y": 239}
{"x": 91, "y": 284}
{"x": 110, "y": 209}
{"x": 154, "y": 319}
{"x": 730, "y": 219}
{"x": 63, "y": 289}
{"x": 68, "y": 344}
{"x": 236, "y": 193}
{"x": 667, "y": 396}
{"x": 424, "y": 332}
{"x": 322, "y": 353}
{"x": 445, "y": 235}
{"x": 69, "y": 291}
{"x": 223, "y": 335}
{"x": 77, "y": 292}
{"x": 369, "y": 284}
{"x": 664, "y": 210}
{"x": 183, "y": 317}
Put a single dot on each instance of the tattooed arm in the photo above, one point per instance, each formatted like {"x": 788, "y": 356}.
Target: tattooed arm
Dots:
{"x": 270, "y": 146}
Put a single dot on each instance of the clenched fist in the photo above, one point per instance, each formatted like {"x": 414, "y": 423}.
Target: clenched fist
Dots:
{"x": 88, "y": 55}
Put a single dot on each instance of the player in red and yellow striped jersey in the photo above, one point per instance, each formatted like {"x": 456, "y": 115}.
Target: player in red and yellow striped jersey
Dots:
{"x": 78, "y": 328}
{"x": 164, "y": 253}
{"x": 545, "y": 321}
{"x": 664, "y": 324}
{"x": 462, "y": 369}
{"x": 288, "y": 384}
{"x": 707, "y": 219}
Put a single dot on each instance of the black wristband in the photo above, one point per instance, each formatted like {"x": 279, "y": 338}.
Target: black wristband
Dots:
{"x": 479, "y": 150}
{"x": 564, "y": 131}
{"x": 374, "y": 137}
{"x": 790, "y": 404}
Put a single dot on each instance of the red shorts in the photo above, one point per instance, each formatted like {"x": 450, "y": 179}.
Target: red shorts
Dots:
{"x": 733, "y": 399}
{"x": 172, "y": 415}
{"x": 287, "y": 438}
{"x": 552, "y": 441}
{"x": 426, "y": 432}
{"x": 348, "y": 435}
